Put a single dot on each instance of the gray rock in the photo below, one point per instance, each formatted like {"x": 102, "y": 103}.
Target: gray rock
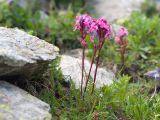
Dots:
{"x": 77, "y": 53}
{"x": 158, "y": 6}
{"x": 16, "y": 104}
{"x": 43, "y": 16}
{"x": 115, "y": 9}
{"x": 23, "y": 54}
{"x": 71, "y": 67}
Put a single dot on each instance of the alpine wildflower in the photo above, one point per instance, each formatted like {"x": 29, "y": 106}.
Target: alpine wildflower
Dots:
{"x": 82, "y": 24}
{"x": 122, "y": 41}
{"x": 101, "y": 30}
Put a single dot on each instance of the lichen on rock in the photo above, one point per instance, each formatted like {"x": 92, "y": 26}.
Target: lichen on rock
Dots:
{"x": 16, "y": 104}
{"x": 23, "y": 54}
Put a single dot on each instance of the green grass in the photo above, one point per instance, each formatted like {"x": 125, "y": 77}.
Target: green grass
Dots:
{"x": 121, "y": 100}
{"x": 56, "y": 29}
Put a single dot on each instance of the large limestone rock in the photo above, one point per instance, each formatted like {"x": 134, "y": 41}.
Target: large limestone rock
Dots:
{"x": 158, "y": 5}
{"x": 16, "y": 104}
{"x": 71, "y": 68}
{"x": 114, "y": 9}
{"x": 23, "y": 54}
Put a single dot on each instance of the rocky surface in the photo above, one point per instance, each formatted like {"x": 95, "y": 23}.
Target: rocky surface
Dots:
{"x": 71, "y": 68}
{"x": 115, "y": 9}
{"x": 16, "y": 104}
{"x": 23, "y": 54}
{"x": 77, "y": 53}
{"x": 157, "y": 3}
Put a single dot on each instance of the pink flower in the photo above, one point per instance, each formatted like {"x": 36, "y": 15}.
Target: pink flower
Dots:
{"x": 100, "y": 29}
{"x": 82, "y": 23}
{"x": 122, "y": 42}
{"x": 94, "y": 26}
{"x": 119, "y": 38}
{"x": 103, "y": 23}
{"x": 92, "y": 38}
{"x": 104, "y": 28}
{"x": 122, "y": 32}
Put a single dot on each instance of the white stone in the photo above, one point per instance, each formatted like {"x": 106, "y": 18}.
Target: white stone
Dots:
{"x": 114, "y": 9}
{"x": 21, "y": 53}
{"x": 71, "y": 67}
{"x": 16, "y": 104}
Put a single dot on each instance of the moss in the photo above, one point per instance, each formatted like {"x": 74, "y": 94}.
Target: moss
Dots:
{"x": 49, "y": 117}
{"x": 5, "y": 107}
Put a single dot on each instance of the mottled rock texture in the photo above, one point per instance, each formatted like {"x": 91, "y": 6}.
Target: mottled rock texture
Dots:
{"x": 24, "y": 55}
{"x": 114, "y": 9}
{"x": 71, "y": 67}
{"x": 16, "y": 104}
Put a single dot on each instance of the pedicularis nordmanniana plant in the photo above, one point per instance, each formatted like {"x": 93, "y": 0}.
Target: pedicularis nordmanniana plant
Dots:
{"x": 121, "y": 39}
{"x": 99, "y": 30}
{"x": 83, "y": 25}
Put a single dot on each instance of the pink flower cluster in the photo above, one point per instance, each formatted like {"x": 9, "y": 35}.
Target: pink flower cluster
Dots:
{"x": 119, "y": 38}
{"x": 99, "y": 29}
{"x": 82, "y": 24}
{"x": 122, "y": 32}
